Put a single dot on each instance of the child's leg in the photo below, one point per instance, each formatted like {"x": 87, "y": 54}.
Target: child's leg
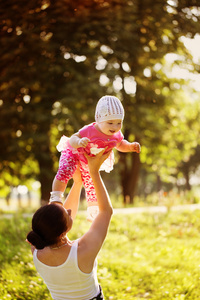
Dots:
{"x": 88, "y": 184}
{"x": 58, "y": 188}
{"x": 58, "y": 185}
{"x": 67, "y": 167}
{"x": 91, "y": 198}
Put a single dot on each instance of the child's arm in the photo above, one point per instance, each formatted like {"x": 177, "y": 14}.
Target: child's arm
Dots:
{"x": 125, "y": 146}
{"x": 76, "y": 141}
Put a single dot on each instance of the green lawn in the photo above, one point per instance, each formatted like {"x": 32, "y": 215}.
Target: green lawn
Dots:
{"x": 145, "y": 256}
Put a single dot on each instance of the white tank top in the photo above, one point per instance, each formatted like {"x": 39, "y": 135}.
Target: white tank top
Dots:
{"x": 67, "y": 281}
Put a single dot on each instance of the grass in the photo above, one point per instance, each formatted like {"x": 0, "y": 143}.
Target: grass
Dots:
{"x": 145, "y": 256}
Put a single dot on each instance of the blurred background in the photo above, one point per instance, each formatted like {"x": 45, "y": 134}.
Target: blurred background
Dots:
{"x": 57, "y": 58}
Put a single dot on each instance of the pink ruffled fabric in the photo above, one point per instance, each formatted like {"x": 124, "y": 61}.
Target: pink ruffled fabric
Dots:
{"x": 107, "y": 165}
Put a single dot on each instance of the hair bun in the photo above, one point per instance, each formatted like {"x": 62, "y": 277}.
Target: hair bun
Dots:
{"x": 36, "y": 240}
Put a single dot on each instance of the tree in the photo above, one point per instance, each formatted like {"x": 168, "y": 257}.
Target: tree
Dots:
{"x": 151, "y": 29}
{"x": 54, "y": 52}
{"x": 37, "y": 74}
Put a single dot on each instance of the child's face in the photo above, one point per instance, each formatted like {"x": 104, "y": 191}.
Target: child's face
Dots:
{"x": 110, "y": 127}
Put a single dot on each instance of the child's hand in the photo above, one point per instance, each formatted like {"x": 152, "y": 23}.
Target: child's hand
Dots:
{"x": 135, "y": 147}
{"x": 83, "y": 142}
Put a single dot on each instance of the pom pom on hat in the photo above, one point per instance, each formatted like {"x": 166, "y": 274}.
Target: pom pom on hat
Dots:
{"x": 109, "y": 108}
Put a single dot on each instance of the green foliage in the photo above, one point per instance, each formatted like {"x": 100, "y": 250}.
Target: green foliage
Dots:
{"x": 53, "y": 57}
{"x": 145, "y": 256}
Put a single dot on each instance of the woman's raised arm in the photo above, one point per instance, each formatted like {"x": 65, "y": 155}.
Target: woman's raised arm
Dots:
{"x": 91, "y": 242}
{"x": 72, "y": 200}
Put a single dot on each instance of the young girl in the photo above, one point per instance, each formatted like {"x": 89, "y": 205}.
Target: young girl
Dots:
{"x": 106, "y": 134}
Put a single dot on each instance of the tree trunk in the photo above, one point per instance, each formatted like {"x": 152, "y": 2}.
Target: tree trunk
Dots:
{"x": 45, "y": 178}
{"x": 159, "y": 183}
{"x": 129, "y": 175}
{"x": 187, "y": 178}
{"x": 44, "y": 158}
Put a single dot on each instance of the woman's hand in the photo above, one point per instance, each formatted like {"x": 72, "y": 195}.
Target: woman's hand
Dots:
{"x": 96, "y": 161}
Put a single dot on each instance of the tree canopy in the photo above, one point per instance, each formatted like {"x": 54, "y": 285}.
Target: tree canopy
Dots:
{"x": 59, "y": 57}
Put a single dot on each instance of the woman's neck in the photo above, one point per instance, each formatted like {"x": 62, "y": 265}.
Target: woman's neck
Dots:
{"x": 61, "y": 243}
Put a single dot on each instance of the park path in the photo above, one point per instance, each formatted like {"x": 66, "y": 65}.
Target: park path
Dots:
{"x": 156, "y": 209}
{"x": 134, "y": 210}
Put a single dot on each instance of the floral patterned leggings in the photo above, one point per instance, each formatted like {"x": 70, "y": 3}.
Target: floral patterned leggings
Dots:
{"x": 67, "y": 166}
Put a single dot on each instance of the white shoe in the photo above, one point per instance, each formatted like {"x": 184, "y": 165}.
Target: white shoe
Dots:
{"x": 92, "y": 212}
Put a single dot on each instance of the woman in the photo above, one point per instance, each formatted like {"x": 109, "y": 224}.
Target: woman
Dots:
{"x": 69, "y": 268}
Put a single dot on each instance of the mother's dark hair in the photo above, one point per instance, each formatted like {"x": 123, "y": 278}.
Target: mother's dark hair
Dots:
{"x": 48, "y": 223}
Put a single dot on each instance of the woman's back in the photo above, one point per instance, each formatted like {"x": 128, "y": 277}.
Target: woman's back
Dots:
{"x": 67, "y": 281}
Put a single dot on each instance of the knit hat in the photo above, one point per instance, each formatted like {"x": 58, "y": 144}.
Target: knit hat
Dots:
{"x": 109, "y": 108}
